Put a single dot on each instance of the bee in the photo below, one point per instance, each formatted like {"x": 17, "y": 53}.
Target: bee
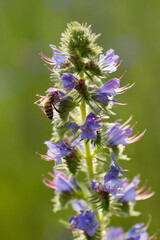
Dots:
{"x": 48, "y": 103}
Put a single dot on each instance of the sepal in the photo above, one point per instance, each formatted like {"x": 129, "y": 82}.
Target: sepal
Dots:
{"x": 65, "y": 107}
{"x": 73, "y": 161}
{"x": 102, "y": 200}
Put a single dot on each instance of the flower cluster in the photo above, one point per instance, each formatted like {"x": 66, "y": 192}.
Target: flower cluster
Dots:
{"x": 86, "y": 146}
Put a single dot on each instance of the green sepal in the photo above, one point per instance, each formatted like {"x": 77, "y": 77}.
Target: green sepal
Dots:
{"x": 93, "y": 68}
{"x": 78, "y": 63}
{"x": 64, "y": 108}
{"x": 73, "y": 161}
{"x": 98, "y": 141}
{"x": 102, "y": 200}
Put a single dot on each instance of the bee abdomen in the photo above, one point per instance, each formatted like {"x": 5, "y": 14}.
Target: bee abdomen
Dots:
{"x": 49, "y": 110}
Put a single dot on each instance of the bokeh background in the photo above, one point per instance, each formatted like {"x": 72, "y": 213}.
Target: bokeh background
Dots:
{"x": 27, "y": 28}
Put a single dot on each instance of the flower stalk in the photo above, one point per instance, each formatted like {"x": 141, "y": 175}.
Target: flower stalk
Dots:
{"x": 86, "y": 143}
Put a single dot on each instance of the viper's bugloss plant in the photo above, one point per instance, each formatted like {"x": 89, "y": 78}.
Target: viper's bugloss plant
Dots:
{"x": 86, "y": 147}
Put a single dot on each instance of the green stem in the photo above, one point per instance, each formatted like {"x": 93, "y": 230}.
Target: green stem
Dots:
{"x": 83, "y": 111}
{"x": 89, "y": 158}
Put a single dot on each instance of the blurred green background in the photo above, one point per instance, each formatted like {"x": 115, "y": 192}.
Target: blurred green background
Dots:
{"x": 27, "y": 28}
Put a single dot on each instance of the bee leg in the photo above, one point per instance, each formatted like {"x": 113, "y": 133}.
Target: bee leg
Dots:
{"x": 56, "y": 109}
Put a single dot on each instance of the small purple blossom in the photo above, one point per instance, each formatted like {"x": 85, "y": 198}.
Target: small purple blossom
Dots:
{"x": 96, "y": 186}
{"x": 114, "y": 166}
{"x": 111, "y": 182}
{"x": 110, "y": 89}
{"x": 109, "y": 62}
{"x": 102, "y": 97}
{"x": 137, "y": 232}
{"x": 57, "y": 58}
{"x": 73, "y": 126}
{"x": 105, "y": 93}
{"x": 85, "y": 222}
{"x": 119, "y": 134}
{"x": 56, "y": 152}
{"x": 131, "y": 194}
{"x": 60, "y": 182}
{"x": 69, "y": 81}
{"x": 90, "y": 127}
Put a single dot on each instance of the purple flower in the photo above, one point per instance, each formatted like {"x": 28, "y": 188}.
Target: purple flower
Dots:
{"x": 137, "y": 232}
{"x": 109, "y": 61}
{"x": 107, "y": 90}
{"x": 110, "y": 89}
{"x": 90, "y": 127}
{"x": 69, "y": 81}
{"x": 111, "y": 182}
{"x": 102, "y": 97}
{"x": 131, "y": 194}
{"x": 56, "y": 152}
{"x": 60, "y": 182}
{"x": 114, "y": 166}
{"x": 74, "y": 126}
{"x": 57, "y": 58}
{"x": 115, "y": 233}
{"x": 119, "y": 134}
{"x": 85, "y": 222}
{"x": 97, "y": 186}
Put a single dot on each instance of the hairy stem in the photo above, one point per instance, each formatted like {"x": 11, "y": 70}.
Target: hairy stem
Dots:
{"x": 87, "y": 144}
{"x": 89, "y": 160}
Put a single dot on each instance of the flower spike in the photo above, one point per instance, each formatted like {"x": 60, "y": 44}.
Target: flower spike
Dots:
{"x": 86, "y": 145}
